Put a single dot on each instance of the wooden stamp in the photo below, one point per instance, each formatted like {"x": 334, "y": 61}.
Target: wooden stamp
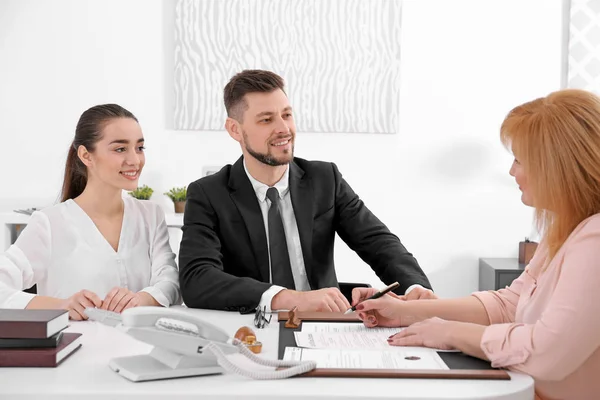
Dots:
{"x": 293, "y": 321}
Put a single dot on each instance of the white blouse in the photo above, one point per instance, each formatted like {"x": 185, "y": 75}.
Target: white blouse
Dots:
{"x": 62, "y": 251}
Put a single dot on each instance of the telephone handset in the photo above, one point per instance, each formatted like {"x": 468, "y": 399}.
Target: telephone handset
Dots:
{"x": 172, "y": 329}
{"x": 185, "y": 345}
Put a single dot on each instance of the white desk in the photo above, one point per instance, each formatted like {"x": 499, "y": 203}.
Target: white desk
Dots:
{"x": 9, "y": 220}
{"x": 86, "y": 375}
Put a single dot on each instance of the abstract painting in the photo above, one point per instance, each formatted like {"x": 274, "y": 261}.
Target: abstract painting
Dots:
{"x": 340, "y": 59}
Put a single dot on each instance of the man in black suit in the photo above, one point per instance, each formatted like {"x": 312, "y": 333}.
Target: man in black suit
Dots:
{"x": 261, "y": 231}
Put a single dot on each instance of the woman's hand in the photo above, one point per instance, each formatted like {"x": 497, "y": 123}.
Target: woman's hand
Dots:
{"x": 384, "y": 311}
{"x": 120, "y": 299}
{"x": 77, "y": 304}
{"x": 433, "y": 332}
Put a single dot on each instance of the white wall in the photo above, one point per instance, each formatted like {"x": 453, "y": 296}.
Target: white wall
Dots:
{"x": 441, "y": 184}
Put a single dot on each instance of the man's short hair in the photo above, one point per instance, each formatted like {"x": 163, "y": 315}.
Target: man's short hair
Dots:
{"x": 248, "y": 81}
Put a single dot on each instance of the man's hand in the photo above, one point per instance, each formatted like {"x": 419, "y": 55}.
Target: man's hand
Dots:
{"x": 328, "y": 299}
{"x": 77, "y": 304}
{"x": 419, "y": 293}
{"x": 119, "y": 299}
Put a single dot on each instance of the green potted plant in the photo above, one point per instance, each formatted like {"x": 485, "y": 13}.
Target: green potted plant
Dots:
{"x": 178, "y": 195}
{"x": 142, "y": 193}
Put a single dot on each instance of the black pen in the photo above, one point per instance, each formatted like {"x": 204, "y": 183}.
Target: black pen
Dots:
{"x": 375, "y": 296}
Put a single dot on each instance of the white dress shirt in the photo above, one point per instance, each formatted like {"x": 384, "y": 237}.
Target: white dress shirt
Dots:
{"x": 62, "y": 251}
{"x": 292, "y": 236}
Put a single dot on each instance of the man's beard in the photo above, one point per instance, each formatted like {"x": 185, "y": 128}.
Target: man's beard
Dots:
{"x": 268, "y": 158}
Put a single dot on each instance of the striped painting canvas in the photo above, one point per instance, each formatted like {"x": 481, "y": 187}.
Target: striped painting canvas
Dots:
{"x": 340, "y": 59}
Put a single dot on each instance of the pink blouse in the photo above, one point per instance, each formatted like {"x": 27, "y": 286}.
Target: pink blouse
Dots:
{"x": 547, "y": 323}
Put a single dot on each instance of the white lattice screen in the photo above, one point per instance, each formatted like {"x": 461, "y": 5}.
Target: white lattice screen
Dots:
{"x": 584, "y": 45}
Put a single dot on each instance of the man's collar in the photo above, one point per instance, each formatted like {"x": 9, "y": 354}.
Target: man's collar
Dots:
{"x": 282, "y": 186}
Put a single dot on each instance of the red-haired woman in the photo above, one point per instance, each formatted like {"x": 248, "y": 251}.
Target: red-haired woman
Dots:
{"x": 547, "y": 323}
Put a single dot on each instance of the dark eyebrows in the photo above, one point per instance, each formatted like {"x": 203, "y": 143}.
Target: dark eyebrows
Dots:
{"x": 269, "y": 113}
{"x": 124, "y": 141}
{"x": 264, "y": 114}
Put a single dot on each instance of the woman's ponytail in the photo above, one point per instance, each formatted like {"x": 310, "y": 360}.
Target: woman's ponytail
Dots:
{"x": 75, "y": 176}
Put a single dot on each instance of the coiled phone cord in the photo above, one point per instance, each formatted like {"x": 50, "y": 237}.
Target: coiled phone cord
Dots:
{"x": 295, "y": 367}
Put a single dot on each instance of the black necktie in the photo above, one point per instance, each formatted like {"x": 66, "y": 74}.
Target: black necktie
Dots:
{"x": 281, "y": 269}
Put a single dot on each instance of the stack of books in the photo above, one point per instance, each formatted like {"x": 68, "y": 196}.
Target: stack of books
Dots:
{"x": 35, "y": 338}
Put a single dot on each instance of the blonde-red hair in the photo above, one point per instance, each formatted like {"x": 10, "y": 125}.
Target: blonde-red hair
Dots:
{"x": 557, "y": 141}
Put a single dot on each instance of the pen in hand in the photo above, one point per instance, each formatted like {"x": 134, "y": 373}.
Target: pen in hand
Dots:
{"x": 375, "y": 296}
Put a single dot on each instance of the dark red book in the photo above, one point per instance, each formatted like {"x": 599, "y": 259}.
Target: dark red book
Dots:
{"x": 41, "y": 357}
{"x": 52, "y": 341}
{"x": 32, "y": 324}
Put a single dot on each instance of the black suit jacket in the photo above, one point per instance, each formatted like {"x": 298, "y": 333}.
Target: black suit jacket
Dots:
{"x": 224, "y": 259}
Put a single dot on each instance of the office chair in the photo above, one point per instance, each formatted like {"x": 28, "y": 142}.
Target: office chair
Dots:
{"x": 32, "y": 290}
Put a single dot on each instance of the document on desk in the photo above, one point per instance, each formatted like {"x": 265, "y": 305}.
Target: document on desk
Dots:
{"x": 346, "y": 340}
{"x": 399, "y": 358}
{"x": 344, "y": 336}
{"x": 342, "y": 327}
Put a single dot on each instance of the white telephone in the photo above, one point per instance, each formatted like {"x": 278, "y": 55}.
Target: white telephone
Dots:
{"x": 185, "y": 345}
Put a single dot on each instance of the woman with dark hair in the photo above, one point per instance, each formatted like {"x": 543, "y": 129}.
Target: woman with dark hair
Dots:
{"x": 96, "y": 248}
